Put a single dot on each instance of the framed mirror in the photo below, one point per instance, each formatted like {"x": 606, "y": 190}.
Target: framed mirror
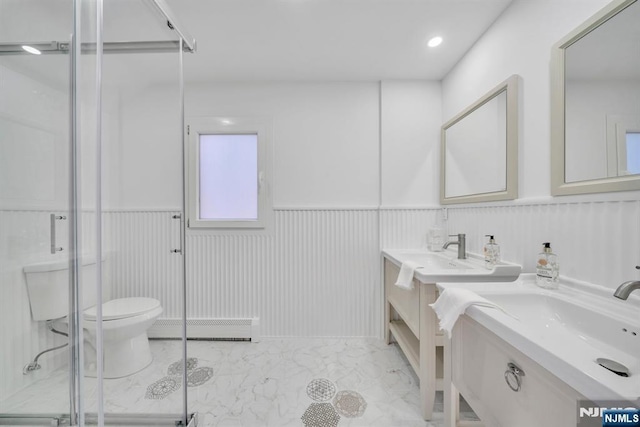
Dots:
{"x": 479, "y": 151}
{"x": 595, "y": 107}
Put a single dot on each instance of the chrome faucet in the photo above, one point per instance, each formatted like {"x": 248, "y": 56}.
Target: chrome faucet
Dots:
{"x": 462, "y": 245}
{"x": 626, "y": 288}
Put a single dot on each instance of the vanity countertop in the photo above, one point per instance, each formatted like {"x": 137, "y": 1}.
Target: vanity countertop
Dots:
{"x": 566, "y": 330}
{"x": 446, "y": 267}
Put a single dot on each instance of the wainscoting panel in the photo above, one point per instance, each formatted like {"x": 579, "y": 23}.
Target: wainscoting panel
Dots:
{"x": 315, "y": 274}
{"x": 406, "y": 228}
{"x": 140, "y": 263}
{"x": 598, "y": 242}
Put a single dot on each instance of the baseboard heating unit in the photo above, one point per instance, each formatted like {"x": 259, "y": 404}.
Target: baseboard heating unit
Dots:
{"x": 248, "y": 328}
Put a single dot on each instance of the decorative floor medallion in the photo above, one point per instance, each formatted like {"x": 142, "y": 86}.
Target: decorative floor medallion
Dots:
{"x": 199, "y": 376}
{"x": 176, "y": 367}
{"x": 321, "y": 390}
{"x": 350, "y": 403}
{"x": 163, "y": 387}
{"x": 320, "y": 415}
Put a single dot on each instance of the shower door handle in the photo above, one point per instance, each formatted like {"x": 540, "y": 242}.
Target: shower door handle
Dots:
{"x": 178, "y": 251}
{"x": 53, "y": 218}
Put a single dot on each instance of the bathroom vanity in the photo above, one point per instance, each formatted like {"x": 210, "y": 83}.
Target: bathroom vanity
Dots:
{"x": 504, "y": 386}
{"x": 412, "y": 322}
{"x": 531, "y": 365}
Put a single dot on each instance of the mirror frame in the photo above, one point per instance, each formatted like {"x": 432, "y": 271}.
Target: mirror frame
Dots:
{"x": 558, "y": 185}
{"x": 510, "y": 86}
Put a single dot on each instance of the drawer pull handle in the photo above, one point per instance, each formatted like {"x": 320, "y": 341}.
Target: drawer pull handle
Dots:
{"x": 513, "y": 376}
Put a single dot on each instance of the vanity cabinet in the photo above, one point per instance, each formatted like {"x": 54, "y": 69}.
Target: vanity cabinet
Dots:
{"x": 413, "y": 324}
{"x": 479, "y": 366}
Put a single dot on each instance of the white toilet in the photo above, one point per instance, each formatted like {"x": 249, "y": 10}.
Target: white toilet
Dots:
{"x": 125, "y": 320}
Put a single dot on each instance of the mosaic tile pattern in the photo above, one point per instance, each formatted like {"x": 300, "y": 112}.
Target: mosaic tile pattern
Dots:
{"x": 176, "y": 367}
{"x": 256, "y": 384}
{"x": 199, "y": 376}
{"x": 320, "y": 415}
{"x": 163, "y": 387}
{"x": 350, "y": 403}
{"x": 167, "y": 385}
{"x": 321, "y": 390}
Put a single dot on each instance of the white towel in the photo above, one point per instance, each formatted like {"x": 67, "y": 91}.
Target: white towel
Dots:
{"x": 453, "y": 302}
{"x": 405, "y": 277}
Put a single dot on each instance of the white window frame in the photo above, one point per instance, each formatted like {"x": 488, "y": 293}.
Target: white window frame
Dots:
{"x": 197, "y": 126}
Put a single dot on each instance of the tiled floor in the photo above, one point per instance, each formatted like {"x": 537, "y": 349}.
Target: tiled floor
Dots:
{"x": 284, "y": 382}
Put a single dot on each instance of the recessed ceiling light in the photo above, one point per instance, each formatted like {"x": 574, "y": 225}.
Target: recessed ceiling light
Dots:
{"x": 226, "y": 122}
{"x": 435, "y": 41}
{"x": 32, "y": 50}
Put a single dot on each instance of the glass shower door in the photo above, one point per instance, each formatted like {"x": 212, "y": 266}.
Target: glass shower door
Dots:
{"x": 74, "y": 133}
{"x": 35, "y": 144}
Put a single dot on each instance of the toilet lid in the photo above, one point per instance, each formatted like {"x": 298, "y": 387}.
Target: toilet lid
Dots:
{"x": 122, "y": 308}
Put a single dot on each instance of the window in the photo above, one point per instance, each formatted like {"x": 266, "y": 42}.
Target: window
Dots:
{"x": 633, "y": 153}
{"x": 227, "y": 173}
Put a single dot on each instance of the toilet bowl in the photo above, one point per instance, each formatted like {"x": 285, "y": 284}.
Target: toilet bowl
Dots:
{"x": 125, "y": 321}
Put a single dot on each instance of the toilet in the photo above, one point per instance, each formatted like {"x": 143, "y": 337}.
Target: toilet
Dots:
{"x": 125, "y": 320}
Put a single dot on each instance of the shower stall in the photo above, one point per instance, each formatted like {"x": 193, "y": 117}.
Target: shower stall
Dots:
{"x": 73, "y": 73}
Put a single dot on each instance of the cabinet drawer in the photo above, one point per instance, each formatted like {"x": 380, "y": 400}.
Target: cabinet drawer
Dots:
{"x": 405, "y": 303}
{"x": 480, "y": 360}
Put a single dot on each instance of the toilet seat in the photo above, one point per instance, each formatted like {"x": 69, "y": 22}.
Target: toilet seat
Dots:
{"x": 122, "y": 308}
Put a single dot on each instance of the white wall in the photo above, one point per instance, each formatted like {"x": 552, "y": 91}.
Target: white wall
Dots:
{"x": 595, "y": 236}
{"x": 315, "y": 271}
{"x": 411, "y": 117}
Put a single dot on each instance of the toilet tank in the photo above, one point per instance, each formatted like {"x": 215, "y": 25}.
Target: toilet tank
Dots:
{"x": 48, "y": 287}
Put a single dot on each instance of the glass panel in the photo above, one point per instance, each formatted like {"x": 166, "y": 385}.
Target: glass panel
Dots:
{"x": 34, "y": 209}
{"x": 228, "y": 177}
{"x": 141, "y": 207}
{"x": 88, "y": 175}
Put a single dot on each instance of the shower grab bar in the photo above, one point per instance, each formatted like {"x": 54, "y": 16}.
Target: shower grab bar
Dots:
{"x": 53, "y": 218}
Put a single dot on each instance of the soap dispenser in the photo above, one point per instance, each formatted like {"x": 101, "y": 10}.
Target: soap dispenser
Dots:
{"x": 547, "y": 268}
{"x": 491, "y": 253}
{"x": 436, "y": 237}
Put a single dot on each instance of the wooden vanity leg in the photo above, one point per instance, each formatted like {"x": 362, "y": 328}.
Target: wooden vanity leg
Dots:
{"x": 451, "y": 395}
{"x": 387, "y": 320}
{"x": 428, "y": 328}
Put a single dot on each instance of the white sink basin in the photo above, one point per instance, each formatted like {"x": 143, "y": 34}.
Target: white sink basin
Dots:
{"x": 566, "y": 330}
{"x": 554, "y": 312}
{"x": 445, "y": 267}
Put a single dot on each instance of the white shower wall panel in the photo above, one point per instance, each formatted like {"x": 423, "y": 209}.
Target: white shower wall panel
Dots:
{"x": 26, "y": 233}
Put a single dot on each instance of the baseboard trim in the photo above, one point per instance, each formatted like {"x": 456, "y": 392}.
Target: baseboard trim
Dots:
{"x": 222, "y": 328}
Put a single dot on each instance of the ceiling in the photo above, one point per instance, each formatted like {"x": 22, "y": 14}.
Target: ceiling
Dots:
{"x": 293, "y": 40}
{"x": 265, "y": 40}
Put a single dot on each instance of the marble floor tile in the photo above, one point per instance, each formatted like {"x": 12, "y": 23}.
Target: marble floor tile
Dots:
{"x": 276, "y": 382}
